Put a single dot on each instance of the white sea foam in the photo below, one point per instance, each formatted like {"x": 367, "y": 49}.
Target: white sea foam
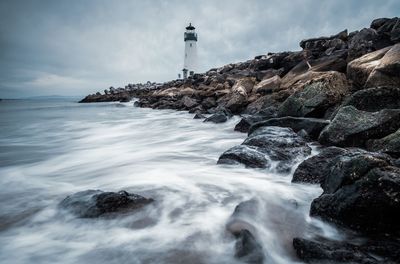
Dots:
{"x": 51, "y": 150}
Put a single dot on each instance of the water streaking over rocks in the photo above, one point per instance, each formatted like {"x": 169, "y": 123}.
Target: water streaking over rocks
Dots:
{"x": 52, "y": 149}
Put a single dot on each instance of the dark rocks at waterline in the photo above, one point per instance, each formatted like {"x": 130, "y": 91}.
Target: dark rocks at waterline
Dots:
{"x": 389, "y": 144}
{"x": 368, "y": 203}
{"x": 247, "y": 121}
{"x": 248, "y": 249}
{"x": 352, "y": 127}
{"x": 96, "y": 203}
{"x": 268, "y": 147}
{"x": 334, "y": 167}
{"x": 375, "y": 99}
{"x": 199, "y": 116}
{"x": 314, "y": 170}
{"x": 220, "y": 116}
{"x": 312, "y": 126}
{"x": 369, "y": 252}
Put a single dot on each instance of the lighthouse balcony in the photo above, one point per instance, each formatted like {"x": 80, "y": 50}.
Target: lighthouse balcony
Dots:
{"x": 190, "y": 36}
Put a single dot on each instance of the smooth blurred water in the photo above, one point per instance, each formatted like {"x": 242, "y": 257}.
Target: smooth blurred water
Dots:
{"x": 50, "y": 149}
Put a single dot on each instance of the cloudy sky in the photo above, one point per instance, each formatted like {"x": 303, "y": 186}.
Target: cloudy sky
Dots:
{"x": 75, "y": 47}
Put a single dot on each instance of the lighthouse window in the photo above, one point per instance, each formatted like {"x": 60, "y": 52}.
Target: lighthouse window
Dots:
{"x": 190, "y": 44}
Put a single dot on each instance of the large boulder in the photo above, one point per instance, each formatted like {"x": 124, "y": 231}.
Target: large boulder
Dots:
{"x": 379, "y": 68}
{"x": 352, "y": 127}
{"x": 389, "y": 144}
{"x": 367, "y": 202}
{"x": 317, "y": 95}
{"x": 314, "y": 169}
{"x": 95, "y": 203}
{"x": 218, "y": 117}
{"x": 248, "y": 120}
{"x": 387, "y": 72}
{"x": 275, "y": 148}
{"x": 327, "y": 251}
{"x": 375, "y": 99}
{"x": 313, "y": 126}
{"x": 362, "y": 42}
{"x": 269, "y": 85}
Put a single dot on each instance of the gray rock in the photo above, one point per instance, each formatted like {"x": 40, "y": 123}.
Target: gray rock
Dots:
{"x": 368, "y": 203}
{"x": 352, "y": 127}
{"x": 95, "y": 203}
{"x": 267, "y": 146}
{"x": 312, "y": 126}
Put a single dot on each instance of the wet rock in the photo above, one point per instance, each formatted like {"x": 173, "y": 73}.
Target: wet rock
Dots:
{"x": 342, "y": 252}
{"x": 247, "y": 121}
{"x": 248, "y": 249}
{"x": 352, "y": 127}
{"x": 316, "y": 97}
{"x": 268, "y": 147}
{"x": 312, "y": 126}
{"x": 189, "y": 102}
{"x": 268, "y": 86}
{"x": 237, "y": 102}
{"x": 389, "y": 144}
{"x": 315, "y": 169}
{"x": 199, "y": 116}
{"x": 220, "y": 116}
{"x": 379, "y": 68}
{"x": 246, "y": 155}
{"x": 375, "y": 99}
{"x": 368, "y": 203}
{"x": 95, "y": 203}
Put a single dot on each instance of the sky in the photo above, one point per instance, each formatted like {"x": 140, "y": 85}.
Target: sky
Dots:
{"x": 76, "y": 47}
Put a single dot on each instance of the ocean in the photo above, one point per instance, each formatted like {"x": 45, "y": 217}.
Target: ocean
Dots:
{"x": 50, "y": 149}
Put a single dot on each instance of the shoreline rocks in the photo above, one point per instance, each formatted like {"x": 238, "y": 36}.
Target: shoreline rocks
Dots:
{"x": 342, "y": 90}
{"x": 96, "y": 203}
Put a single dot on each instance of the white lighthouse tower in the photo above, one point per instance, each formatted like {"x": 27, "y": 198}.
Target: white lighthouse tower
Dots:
{"x": 190, "y": 61}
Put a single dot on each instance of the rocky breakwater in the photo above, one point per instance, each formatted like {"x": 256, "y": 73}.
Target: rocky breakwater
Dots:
{"x": 340, "y": 93}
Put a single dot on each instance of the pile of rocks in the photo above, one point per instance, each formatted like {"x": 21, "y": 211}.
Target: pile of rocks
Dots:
{"x": 341, "y": 91}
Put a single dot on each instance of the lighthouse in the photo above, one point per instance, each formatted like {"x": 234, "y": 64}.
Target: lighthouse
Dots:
{"x": 190, "y": 60}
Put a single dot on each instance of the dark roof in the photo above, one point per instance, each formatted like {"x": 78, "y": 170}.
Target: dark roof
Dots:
{"x": 190, "y": 27}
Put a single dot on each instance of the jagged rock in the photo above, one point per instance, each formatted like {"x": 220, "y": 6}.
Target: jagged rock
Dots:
{"x": 368, "y": 203}
{"x": 315, "y": 169}
{"x": 363, "y": 42}
{"x": 219, "y": 117}
{"x": 267, "y": 147}
{"x": 189, "y": 102}
{"x": 236, "y": 103}
{"x": 317, "y": 96}
{"x": 267, "y": 86}
{"x": 312, "y": 126}
{"x": 375, "y": 99}
{"x": 387, "y": 72}
{"x": 199, "y": 116}
{"x": 359, "y": 69}
{"x": 248, "y": 249}
{"x": 352, "y": 127}
{"x": 95, "y": 203}
{"x": 332, "y": 165}
{"x": 370, "y": 252}
{"x": 247, "y": 121}
{"x": 389, "y": 144}
{"x": 379, "y": 68}
{"x": 209, "y": 102}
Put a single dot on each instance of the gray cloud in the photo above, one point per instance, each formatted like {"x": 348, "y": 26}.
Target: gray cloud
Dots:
{"x": 78, "y": 47}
